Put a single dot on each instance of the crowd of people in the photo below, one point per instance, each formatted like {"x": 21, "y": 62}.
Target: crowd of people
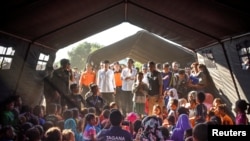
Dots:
{"x": 157, "y": 102}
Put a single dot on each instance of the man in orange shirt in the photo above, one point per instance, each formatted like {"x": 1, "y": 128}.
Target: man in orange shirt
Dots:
{"x": 118, "y": 83}
{"x": 87, "y": 77}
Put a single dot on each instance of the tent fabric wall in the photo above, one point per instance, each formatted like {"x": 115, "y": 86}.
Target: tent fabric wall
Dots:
{"x": 229, "y": 91}
{"x": 143, "y": 47}
{"x": 31, "y": 83}
{"x": 241, "y": 76}
{"x": 22, "y": 78}
{"x": 9, "y": 78}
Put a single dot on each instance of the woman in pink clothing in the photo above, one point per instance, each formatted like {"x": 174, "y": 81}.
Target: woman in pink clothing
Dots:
{"x": 241, "y": 107}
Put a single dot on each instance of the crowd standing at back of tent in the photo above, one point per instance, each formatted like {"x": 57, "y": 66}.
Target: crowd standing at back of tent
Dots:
{"x": 157, "y": 102}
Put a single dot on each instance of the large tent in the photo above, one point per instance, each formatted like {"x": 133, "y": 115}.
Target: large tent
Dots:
{"x": 140, "y": 47}
{"x": 217, "y": 30}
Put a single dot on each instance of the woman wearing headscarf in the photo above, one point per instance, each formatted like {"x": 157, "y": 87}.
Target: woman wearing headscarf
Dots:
{"x": 181, "y": 125}
{"x": 151, "y": 129}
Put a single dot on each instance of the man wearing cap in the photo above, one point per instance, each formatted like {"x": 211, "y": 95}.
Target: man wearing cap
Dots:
{"x": 115, "y": 132}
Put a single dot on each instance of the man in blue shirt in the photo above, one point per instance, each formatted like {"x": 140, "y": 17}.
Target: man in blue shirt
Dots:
{"x": 115, "y": 132}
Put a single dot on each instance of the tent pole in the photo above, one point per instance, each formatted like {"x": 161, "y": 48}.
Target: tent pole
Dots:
{"x": 230, "y": 69}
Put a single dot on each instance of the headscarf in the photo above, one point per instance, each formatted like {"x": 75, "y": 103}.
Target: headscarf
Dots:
{"x": 181, "y": 125}
{"x": 132, "y": 117}
{"x": 174, "y": 91}
{"x": 151, "y": 129}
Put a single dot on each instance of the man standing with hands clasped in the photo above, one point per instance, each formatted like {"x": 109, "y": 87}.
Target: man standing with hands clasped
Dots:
{"x": 106, "y": 82}
{"x": 155, "y": 87}
{"x": 128, "y": 76}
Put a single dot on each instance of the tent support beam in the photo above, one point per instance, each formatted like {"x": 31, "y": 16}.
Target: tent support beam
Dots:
{"x": 230, "y": 69}
{"x": 26, "y": 40}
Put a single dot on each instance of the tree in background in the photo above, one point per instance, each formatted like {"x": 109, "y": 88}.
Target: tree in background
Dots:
{"x": 138, "y": 65}
{"x": 79, "y": 54}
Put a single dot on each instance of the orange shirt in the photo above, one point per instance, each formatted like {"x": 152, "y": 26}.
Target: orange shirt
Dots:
{"x": 226, "y": 120}
{"x": 87, "y": 78}
{"x": 118, "y": 80}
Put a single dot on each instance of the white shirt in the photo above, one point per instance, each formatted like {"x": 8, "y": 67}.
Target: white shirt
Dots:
{"x": 106, "y": 81}
{"x": 145, "y": 79}
{"x": 127, "y": 84}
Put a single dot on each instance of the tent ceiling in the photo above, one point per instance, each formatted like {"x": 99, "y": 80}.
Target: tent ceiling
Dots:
{"x": 57, "y": 24}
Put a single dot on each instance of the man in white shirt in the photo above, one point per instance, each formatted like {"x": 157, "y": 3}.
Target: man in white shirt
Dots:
{"x": 128, "y": 77}
{"x": 106, "y": 82}
{"x": 145, "y": 72}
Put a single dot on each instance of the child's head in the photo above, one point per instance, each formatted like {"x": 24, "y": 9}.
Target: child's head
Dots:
{"x": 200, "y": 97}
{"x": 200, "y": 132}
{"x": 215, "y": 120}
{"x": 210, "y": 113}
{"x": 222, "y": 109}
{"x": 83, "y": 112}
{"x": 192, "y": 103}
{"x": 74, "y": 88}
{"x": 156, "y": 109}
{"x": 52, "y": 108}
{"x": 67, "y": 114}
{"x": 217, "y": 102}
{"x": 191, "y": 95}
{"x": 182, "y": 102}
{"x": 173, "y": 104}
{"x": 182, "y": 110}
{"x": 132, "y": 117}
{"x": 90, "y": 119}
{"x": 171, "y": 120}
{"x": 139, "y": 76}
{"x": 172, "y": 92}
{"x": 182, "y": 73}
{"x": 93, "y": 88}
{"x": 68, "y": 135}
{"x": 113, "y": 105}
{"x": 137, "y": 125}
{"x": 242, "y": 106}
{"x": 165, "y": 132}
{"x": 105, "y": 113}
{"x": 8, "y": 132}
{"x": 164, "y": 109}
{"x": 9, "y": 103}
